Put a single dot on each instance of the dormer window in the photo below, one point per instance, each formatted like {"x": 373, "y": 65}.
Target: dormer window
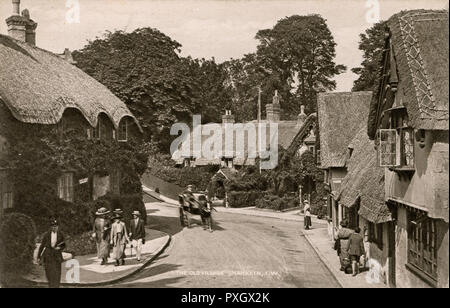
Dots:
{"x": 396, "y": 144}
{"x": 123, "y": 131}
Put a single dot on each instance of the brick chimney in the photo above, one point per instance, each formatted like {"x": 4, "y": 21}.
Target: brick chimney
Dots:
{"x": 273, "y": 110}
{"x": 20, "y": 26}
{"x": 301, "y": 118}
{"x": 227, "y": 117}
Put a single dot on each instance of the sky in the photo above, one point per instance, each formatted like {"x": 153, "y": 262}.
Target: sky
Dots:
{"x": 207, "y": 28}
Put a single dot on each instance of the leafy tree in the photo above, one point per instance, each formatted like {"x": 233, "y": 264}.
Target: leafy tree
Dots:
{"x": 295, "y": 57}
{"x": 143, "y": 68}
{"x": 372, "y": 44}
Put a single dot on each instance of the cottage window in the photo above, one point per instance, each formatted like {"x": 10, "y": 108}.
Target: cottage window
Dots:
{"x": 396, "y": 145}
{"x": 422, "y": 238}
{"x": 6, "y": 193}
{"x": 318, "y": 157}
{"x": 376, "y": 234}
{"x": 65, "y": 187}
{"x": 123, "y": 131}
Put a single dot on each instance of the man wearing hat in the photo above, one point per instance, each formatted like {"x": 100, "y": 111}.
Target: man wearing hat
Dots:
{"x": 102, "y": 227}
{"x": 137, "y": 233}
{"x": 50, "y": 252}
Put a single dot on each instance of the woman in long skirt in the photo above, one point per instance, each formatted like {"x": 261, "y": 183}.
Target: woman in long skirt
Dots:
{"x": 119, "y": 239}
{"x": 102, "y": 231}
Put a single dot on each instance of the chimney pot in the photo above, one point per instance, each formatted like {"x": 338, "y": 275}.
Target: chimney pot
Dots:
{"x": 302, "y": 116}
{"x": 227, "y": 117}
{"x": 20, "y": 26}
{"x": 16, "y": 7}
{"x": 273, "y": 110}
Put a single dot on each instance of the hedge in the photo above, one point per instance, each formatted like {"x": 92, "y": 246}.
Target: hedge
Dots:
{"x": 274, "y": 202}
{"x": 17, "y": 242}
{"x": 242, "y": 198}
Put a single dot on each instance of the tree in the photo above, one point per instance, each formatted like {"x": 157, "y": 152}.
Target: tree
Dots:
{"x": 143, "y": 68}
{"x": 295, "y": 57}
{"x": 372, "y": 44}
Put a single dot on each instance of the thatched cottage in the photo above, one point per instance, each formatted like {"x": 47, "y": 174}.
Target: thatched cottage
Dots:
{"x": 409, "y": 123}
{"x": 361, "y": 194}
{"x": 341, "y": 116}
{"x": 295, "y": 136}
{"x": 40, "y": 88}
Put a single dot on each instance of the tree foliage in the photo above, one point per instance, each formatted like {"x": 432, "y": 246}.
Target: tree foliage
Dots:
{"x": 295, "y": 57}
{"x": 371, "y": 44}
{"x": 144, "y": 69}
{"x": 39, "y": 155}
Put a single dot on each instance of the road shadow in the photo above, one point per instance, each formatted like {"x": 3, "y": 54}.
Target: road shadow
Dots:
{"x": 150, "y": 272}
{"x": 196, "y": 222}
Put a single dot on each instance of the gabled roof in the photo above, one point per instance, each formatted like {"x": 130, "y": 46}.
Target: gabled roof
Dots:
{"x": 38, "y": 86}
{"x": 364, "y": 181}
{"x": 341, "y": 115}
{"x": 419, "y": 40}
{"x": 287, "y": 132}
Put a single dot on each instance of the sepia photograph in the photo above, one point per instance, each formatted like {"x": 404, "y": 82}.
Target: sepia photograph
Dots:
{"x": 224, "y": 149}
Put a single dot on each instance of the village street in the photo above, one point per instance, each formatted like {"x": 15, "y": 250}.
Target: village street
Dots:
{"x": 243, "y": 251}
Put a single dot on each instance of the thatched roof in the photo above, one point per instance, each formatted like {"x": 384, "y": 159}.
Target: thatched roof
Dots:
{"x": 341, "y": 116}
{"x": 38, "y": 86}
{"x": 287, "y": 132}
{"x": 364, "y": 181}
{"x": 420, "y": 42}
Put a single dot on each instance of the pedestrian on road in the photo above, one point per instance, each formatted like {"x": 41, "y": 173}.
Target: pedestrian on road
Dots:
{"x": 119, "y": 239}
{"x": 102, "y": 232}
{"x": 355, "y": 249}
{"x": 343, "y": 236}
{"x": 307, "y": 211}
{"x": 137, "y": 233}
{"x": 50, "y": 253}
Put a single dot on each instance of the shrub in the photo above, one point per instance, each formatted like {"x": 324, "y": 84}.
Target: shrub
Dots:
{"x": 242, "y": 198}
{"x": 274, "y": 202}
{"x": 17, "y": 242}
{"x": 80, "y": 245}
{"x": 74, "y": 218}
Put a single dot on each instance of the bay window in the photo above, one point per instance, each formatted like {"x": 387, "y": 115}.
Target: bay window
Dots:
{"x": 396, "y": 144}
{"x": 422, "y": 246}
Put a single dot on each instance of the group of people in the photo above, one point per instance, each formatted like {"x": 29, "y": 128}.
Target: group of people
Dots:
{"x": 111, "y": 235}
{"x": 349, "y": 245}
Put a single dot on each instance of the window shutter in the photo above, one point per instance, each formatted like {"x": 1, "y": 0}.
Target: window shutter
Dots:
{"x": 387, "y": 147}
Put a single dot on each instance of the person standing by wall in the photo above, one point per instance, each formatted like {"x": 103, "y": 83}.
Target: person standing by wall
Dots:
{"x": 355, "y": 249}
{"x": 50, "y": 253}
{"x": 137, "y": 233}
{"x": 342, "y": 236}
{"x": 307, "y": 211}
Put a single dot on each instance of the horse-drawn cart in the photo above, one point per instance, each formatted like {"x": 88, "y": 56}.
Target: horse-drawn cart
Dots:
{"x": 194, "y": 203}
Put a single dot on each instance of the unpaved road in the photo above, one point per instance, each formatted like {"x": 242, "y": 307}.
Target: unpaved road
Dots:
{"x": 243, "y": 251}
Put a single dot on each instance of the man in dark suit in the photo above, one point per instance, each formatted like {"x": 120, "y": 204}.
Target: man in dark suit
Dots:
{"x": 50, "y": 252}
{"x": 137, "y": 233}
